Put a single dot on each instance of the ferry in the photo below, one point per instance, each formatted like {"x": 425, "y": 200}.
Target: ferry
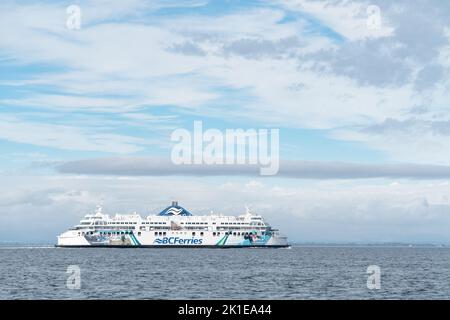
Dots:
{"x": 173, "y": 227}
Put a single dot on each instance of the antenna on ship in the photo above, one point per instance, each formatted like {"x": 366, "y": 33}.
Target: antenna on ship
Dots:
{"x": 247, "y": 210}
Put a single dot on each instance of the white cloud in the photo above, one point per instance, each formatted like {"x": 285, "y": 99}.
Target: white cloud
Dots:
{"x": 135, "y": 62}
{"x": 69, "y": 102}
{"x": 67, "y": 137}
{"x": 152, "y": 166}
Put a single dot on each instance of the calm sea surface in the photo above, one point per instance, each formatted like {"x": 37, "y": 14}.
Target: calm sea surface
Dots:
{"x": 296, "y": 273}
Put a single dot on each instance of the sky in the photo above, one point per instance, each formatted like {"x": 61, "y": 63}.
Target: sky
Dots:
{"x": 86, "y": 114}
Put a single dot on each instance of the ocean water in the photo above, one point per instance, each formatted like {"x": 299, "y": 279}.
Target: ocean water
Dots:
{"x": 296, "y": 273}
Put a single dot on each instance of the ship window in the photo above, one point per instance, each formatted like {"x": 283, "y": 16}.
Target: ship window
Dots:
{"x": 234, "y": 233}
{"x": 214, "y": 234}
{"x": 156, "y": 233}
{"x": 193, "y": 233}
{"x": 201, "y": 233}
{"x": 139, "y": 233}
{"x": 164, "y": 233}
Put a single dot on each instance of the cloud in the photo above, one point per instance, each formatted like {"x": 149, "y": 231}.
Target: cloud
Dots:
{"x": 423, "y": 140}
{"x": 410, "y": 126}
{"x": 348, "y": 18}
{"x": 400, "y": 58}
{"x": 193, "y": 62}
{"x": 135, "y": 166}
{"x": 429, "y": 76}
{"x": 71, "y": 102}
{"x": 67, "y": 137}
{"x": 188, "y": 48}
{"x": 257, "y": 48}
{"x": 371, "y": 63}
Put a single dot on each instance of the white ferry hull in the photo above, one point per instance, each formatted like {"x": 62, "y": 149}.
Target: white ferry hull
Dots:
{"x": 172, "y": 239}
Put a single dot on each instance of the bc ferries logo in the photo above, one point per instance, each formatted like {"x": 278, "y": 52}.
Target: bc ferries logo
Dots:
{"x": 177, "y": 240}
{"x": 174, "y": 211}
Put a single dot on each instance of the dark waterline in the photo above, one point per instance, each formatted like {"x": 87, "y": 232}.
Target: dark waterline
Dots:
{"x": 305, "y": 272}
